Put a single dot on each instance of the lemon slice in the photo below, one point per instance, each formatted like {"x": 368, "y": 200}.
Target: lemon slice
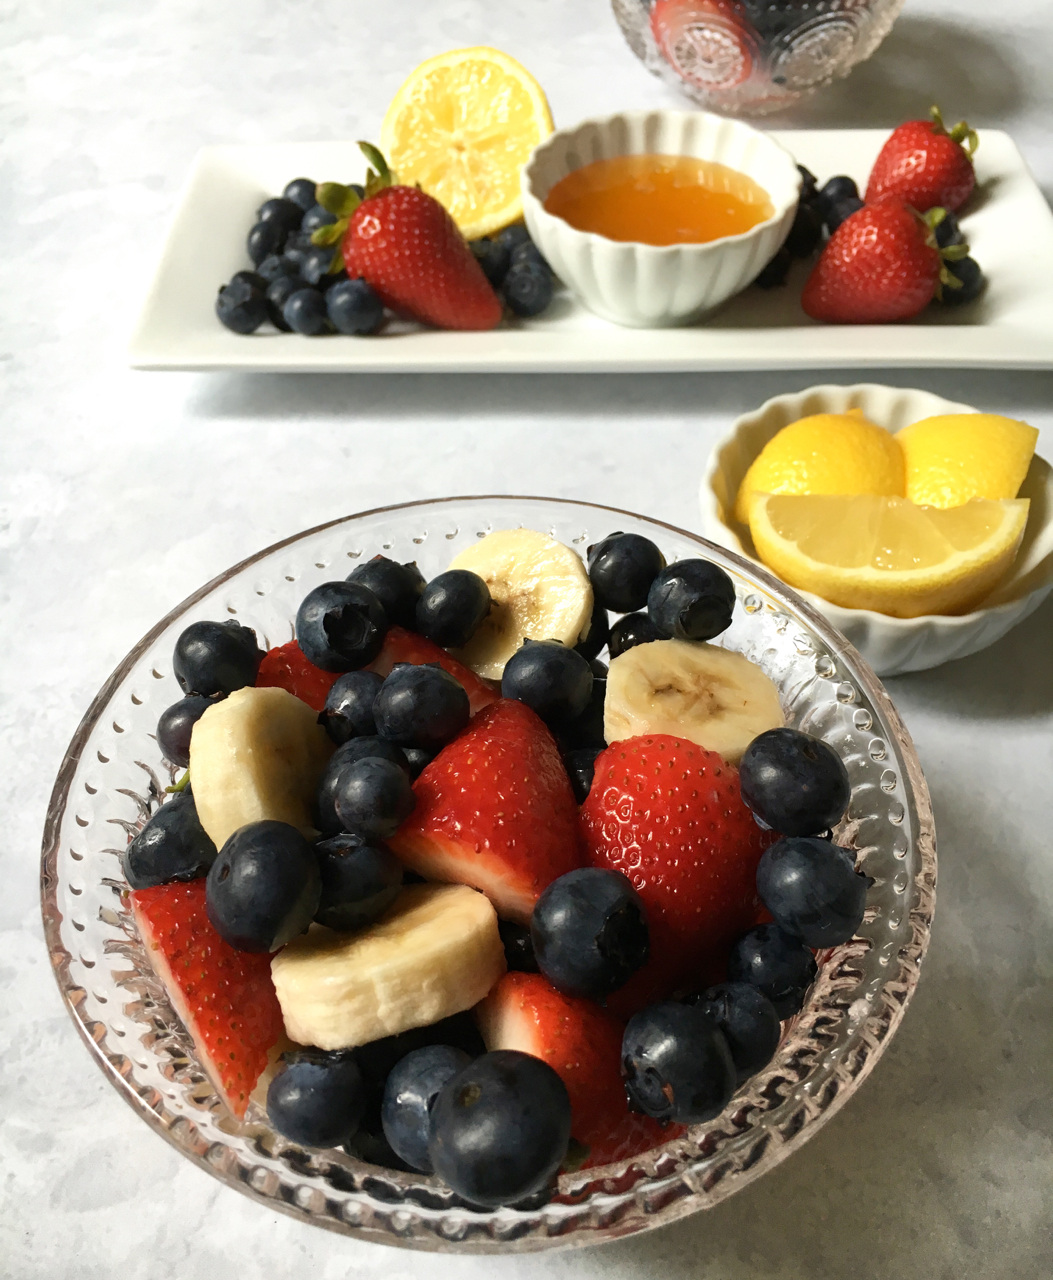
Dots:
{"x": 825, "y": 453}
{"x": 886, "y": 554}
{"x": 957, "y": 456}
{"x": 462, "y": 126}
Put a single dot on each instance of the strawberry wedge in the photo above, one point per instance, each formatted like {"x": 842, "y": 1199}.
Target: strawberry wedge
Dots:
{"x": 401, "y": 645}
{"x": 287, "y": 668}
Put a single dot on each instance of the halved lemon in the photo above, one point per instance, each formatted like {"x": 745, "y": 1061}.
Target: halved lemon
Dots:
{"x": 462, "y": 126}
{"x": 886, "y": 554}
{"x": 957, "y": 456}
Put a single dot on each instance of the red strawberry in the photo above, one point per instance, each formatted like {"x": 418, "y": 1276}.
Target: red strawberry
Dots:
{"x": 924, "y": 164}
{"x": 401, "y": 645}
{"x": 225, "y": 997}
{"x": 669, "y": 815}
{"x": 708, "y": 43}
{"x": 880, "y": 265}
{"x": 287, "y": 668}
{"x": 583, "y": 1044}
{"x": 495, "y": 811}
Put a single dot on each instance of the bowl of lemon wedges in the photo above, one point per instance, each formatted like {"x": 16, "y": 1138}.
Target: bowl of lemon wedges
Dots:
{"x": 922, "y": 529}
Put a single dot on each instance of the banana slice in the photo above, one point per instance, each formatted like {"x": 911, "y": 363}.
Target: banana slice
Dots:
{"x": 435, "y": 952}
{"x": 539, "y": 588}
{"x": 711, "y": 696}
{"x": 258, "y": 754}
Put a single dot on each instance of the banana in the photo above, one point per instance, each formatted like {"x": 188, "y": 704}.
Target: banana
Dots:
{"x": 539, "y": 589}
{"x": 258, "y": 754}
{"x": 435, "y": 952}
{"x": 714, "y": 697}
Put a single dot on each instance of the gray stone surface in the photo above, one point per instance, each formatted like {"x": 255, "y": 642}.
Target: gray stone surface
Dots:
{"x": 120, "y": 492}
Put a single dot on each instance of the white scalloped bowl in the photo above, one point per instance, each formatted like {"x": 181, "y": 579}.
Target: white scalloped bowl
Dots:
{"x": 657, "y": 286}
{"x": 892, "y": 646}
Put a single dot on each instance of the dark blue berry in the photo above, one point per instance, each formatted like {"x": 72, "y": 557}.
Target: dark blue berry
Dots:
{"x": 359, "y": 881}
{"x": 348, "y": 710}
{"x": 691, "y": 600}
{"x": 806, "y": 231}
{"x": 373, "y": 798}
{"x": 255, "y": 278}
{"x": 297, "y": 247}
{"x": 377, "y": 1059}
{"x": 286, "y": 212}
{"x": 317, "y": 1098}
{"x": 175, "y": 725}
{"x": 597, "y": 634}
{"x": 264, "y": 886}
{"x": 216, "y": 658}
{"x": 813, "y": 890}
{"x": 842, "y": 211}
{"x": 241, "y": 306}
{"x": 967, "y": 270}
{"x": 627, "y": 632}
{"x": 527, "y": 288}
{"x": 947, "y": 231}
{"x": 354, "y": 749}
{"x": 301, "y": 191}
{"x": 621, "y": 570}
{"x": 493, "y": 256}
{"x": 279, "y": 291}
{"x": 580, "y": 765}
{"x": 586, "y": 730}
{"x": 266, "y": 238}
{"x": 304, "y": 312}
{"x": 836, "y": 189}
{"x": 749, "y": 1022}
{"x": 354, "y": 307}
{"x": 398, "y": 587}
{"x": 809, "y": 184}
{"x": 274, "y": 266}
{"x": 500, "y": 1128}
{"x": 421, "y": 706}
{"x": 315, "y": 265}
{"x": 528, "y": 252}
{"x": 514, "y": 236}
{"x": 777, "y": 964}
{"x": 794, "y": 783}
{"x": 677, "y": 1064}
{"x": 418, "y": 759}
{"x": 551, "y": 679}
{"x": 775, "y": 273}
{"x": 451, "y": 608}
{"x": 409, "y": 1095}
{"x": 340, "y": 626}
{"x": 519, "y": 949}
{"x": 315, "y": 218}
{"x": 172, "y": 846}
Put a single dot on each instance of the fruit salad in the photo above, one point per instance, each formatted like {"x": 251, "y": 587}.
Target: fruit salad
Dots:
{"x": 440, "y": 887}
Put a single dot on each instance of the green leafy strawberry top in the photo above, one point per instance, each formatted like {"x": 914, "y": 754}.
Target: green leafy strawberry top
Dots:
{"x": 342, "y": 201}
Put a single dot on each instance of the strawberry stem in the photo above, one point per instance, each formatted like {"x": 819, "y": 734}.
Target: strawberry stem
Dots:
{"x": 960, "y": 133}
{"x": 179, "y": 786}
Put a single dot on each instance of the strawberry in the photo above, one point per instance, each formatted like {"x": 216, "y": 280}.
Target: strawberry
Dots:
{"x": 495, "y": 811}
{"x": 225, "y": 997}
{"x": 401, "y": 645}
{"x": 583, "y": 1045}
{"x": 287, "y": 668}
{"x": 708, "y": 43}
{"x": 669, "y": 815}
{"x": 924, "y": 164}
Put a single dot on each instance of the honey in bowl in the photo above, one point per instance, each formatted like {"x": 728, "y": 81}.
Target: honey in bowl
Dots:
{"x": 659, "y": 200}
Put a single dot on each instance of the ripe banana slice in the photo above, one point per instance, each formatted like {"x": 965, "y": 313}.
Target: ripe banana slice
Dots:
{"x": 540, "y": 590}
{"x": 435, "y": 952}
{"x": 714, "y": 697}
{"x": 258, "y": 754}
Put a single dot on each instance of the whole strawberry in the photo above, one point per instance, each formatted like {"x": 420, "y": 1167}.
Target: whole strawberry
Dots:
{"x": 925, "y": 164}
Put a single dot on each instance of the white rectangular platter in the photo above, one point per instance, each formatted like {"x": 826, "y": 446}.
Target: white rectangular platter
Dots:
{"x": 1007, "y": 221}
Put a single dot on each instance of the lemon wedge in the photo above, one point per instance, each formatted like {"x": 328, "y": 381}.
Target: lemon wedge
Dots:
{"x": 884, "y": 553}
{"x": 958, "y": 456}
{"x": 462, "y": 126}
{"x": 825, "y": 453}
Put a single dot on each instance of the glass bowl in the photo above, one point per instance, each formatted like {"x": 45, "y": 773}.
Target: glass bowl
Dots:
{"x": 112, "y": 778}
{"x": 752, "y": 57}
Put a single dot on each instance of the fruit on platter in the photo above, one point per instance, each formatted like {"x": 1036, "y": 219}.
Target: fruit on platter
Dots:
{"x": 925, "y": 164}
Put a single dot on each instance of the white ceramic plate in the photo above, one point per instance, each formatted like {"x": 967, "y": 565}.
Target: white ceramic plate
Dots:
{"x": 1009, "y": 225}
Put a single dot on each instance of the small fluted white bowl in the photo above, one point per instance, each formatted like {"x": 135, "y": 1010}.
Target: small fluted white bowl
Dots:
{"x": 892, "y": 646}
{"x": 656, "y": 286}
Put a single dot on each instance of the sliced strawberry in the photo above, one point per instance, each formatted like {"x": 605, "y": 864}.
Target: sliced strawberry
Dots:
{"x": 225, "y": 997}
{"x": 583, "y": 1044}
{"x": 925, "y": 164}
{"x": 495, "y": 811}
{"x": 287, "y": 668}
{"x": 401, "y": 645}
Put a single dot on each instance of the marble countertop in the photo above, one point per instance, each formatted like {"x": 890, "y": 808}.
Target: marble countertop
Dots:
{"x": 120, "y": 492}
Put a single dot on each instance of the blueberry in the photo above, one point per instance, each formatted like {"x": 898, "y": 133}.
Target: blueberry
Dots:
{"x": 373, "y": 797}
{"x": 514, "y": 236}
{"x": 794, "y": 783}
{"x": 587, "y": 730}
{"x": 354, "y": 307}
{"x": 301, "y": 191}
{"x": 297, "y": 247}
{"x": 216, "y": 657}
{"x": 315, "y": 264}
{"x": 359, "y": 881}
{"x": 589, "y": 930}
{"x": 317, "y": 1098}
{"x": 378, "y": 1058}
{"x": 263, "y": 888}
{"x": 967, "y": 270}
{"x": 527, "y": 288}
{"x": 286, "y": 212}
{"x": 417, "y": 759}
{"x": 813, "y": 890}
{"x": 806, "y": 231}
{"x": 451, "y": 607}
{"x": 597, "y": 634}
{"x": 348, "y": 710}
{"x": 627, "y": 632}
{"x": 409, "y": 1095}
{"x": 677, "y": 1064}
{"x": 421, "y": 706}
{"x": 836, "y": 189}
{"x": 493, "y": 256}
{"x": 304, "y": 312}
{"x": 172, "y": 846}
{"x": 175, "y": 725}
{"x": 353, "y": 750}
{"x": 250, "y": 277}
{"x": 528, "y": 251}
{"x": 777, "y": 964}
{"x": 519, "y": 949}
{"x": 266, "y": 238}
{"x": 621, "y": 570}
{"x": 278, "y": 293}
{"x": 340, "y": 626}
{"x": 274, "y": 266}
{"x": 775, "y": 273}
{"x": 580, "y": 765}
{"x": 500, "y": 1128}
{"x": 551, "y": 679}
{"x": 691, "y": 600}
{"x": 398, "y": 587}
{"x": 948, "y": 231}
{"x": 809, "y": 184}
{"x": 749, "y": 1022}
{"x": 841, "y": 211}
{"x": 315, "y": 218}
{"x": 241, "y": 306}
